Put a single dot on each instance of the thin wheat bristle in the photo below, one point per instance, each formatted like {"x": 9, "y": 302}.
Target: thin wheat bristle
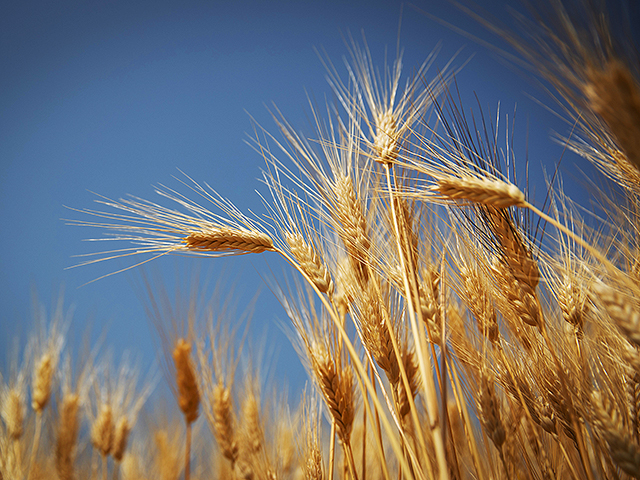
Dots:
{"x": 42, "y": 383}
{"x": 102, "y": 430}
{"x": 495, "y": 193}
{"x": 120, "y": 438}
{"x": 229, "y": 239}
{"x": 67, "y": 436}
{"x": 188, "y": 392}
{"x": 310, "y": 262}
{"x": 614, "y": 94}
{"x": 223, "y": 430}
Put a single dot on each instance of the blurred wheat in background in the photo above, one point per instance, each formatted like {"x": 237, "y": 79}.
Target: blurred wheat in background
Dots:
{"x": 452, "y": 325}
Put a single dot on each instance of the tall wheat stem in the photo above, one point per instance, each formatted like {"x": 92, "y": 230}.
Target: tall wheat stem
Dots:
{"x": 187, "y": 454}
{"x": 36, "y": 442}
{"x": 332, "y": 448}
{"x": 432, "y": 401}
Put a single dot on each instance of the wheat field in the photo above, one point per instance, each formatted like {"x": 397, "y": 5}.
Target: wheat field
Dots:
{"x": 452, "y": 324}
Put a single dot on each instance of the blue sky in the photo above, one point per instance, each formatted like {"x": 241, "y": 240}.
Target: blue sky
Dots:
{"x": 115, "y": 97}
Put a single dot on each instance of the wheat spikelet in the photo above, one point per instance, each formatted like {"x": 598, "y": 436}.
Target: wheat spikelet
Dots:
{"x": 353, "y": 227}
{"x": 102, "y": 430}
{"x": 622, "y": 309}
{"x": 188, "y": 393}
{"x": 623, "y": 451}
{"x": 223, "y": 422}
{"x": 120, "y": 438}
{"x": 67, "y": 436}
{"x": 495, "y": 193}
{"x": 614, "y": 94}
{"x": 42, "y": 383}
{"x": 222, "y": 239}
{"x": 310, "y": 262}
{"x": 337, "y": 389}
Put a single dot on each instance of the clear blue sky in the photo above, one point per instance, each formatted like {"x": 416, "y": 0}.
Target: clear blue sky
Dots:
{"x": 113, "y": 97}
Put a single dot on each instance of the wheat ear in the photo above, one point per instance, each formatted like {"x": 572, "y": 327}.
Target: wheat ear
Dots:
{"x": 614, "y": 94}
{"x": 120, "y": 438}
{"x": 495, "y": 193}
{"x": 188, "y": 393}
{"x": 353, "y": 229}
{"x": 310, "y": 262}
{"x": 222, "y": 239}
{"x": 623, "y": 451}
{"x": 13, "y": 412}
{"x": 622, "y": 310}
{"x": 67, "y": 436}
{"x": 223, "y": 428}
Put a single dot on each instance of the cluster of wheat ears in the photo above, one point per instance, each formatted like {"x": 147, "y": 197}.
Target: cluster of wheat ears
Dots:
{"x": 451, "y": 328}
